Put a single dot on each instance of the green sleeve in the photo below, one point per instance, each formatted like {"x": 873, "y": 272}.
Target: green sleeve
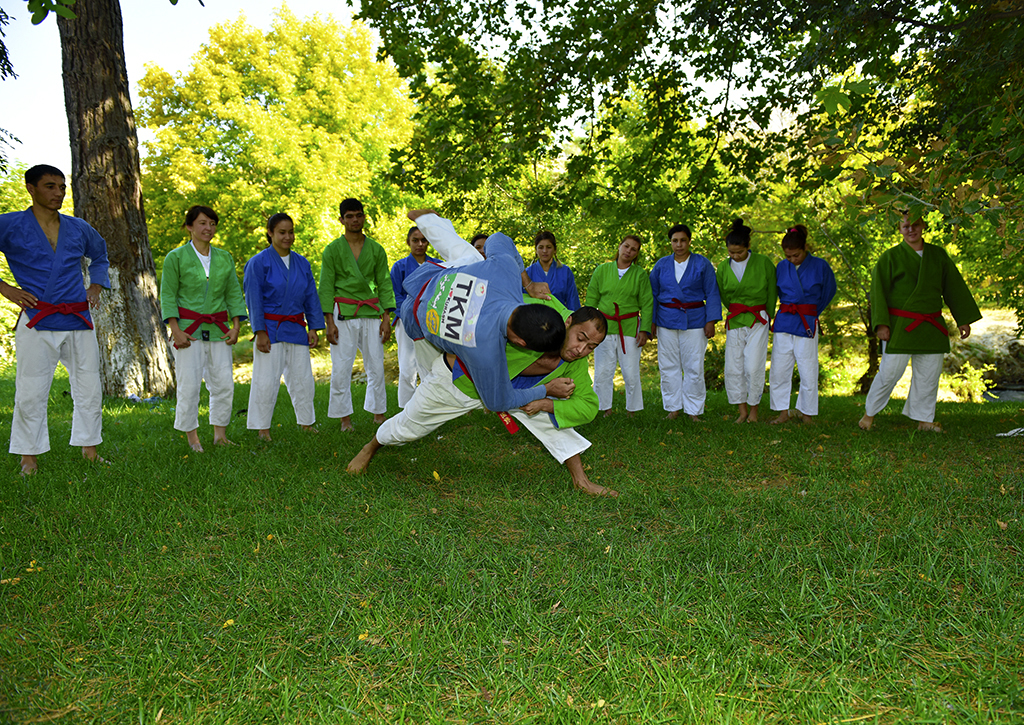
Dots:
{"x": 881, "y": 283}
{"x": 957, "y": 295}
{"x": 382, "y": 278}
{"x": 169, "y": 286}
{"x": 581, "y": 408}
{"x": 233, "y": 292}
{"x": 327, "y": 276}
{"x": 773, "y": 290}
{"x": 646, "y": 296}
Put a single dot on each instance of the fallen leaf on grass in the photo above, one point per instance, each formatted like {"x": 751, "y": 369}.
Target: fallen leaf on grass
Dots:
{"x": 437, "y": 476}
{"x": 1002, "y": 525}
{"x": 227, "y": 624}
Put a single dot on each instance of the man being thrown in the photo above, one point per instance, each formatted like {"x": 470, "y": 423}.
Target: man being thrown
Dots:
{"x": 44, "y": 250}
{"x": 472, "y": 308}
{"x": 908, "y": 286}
{"x": 441, "y": 399}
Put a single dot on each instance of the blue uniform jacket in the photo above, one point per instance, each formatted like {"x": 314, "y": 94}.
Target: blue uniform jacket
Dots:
{"x": 272, "y": 287}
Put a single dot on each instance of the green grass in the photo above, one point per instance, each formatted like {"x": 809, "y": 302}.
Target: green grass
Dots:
{"x": 747, "y": 574}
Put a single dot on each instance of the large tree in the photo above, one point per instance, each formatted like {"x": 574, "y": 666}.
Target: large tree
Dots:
{"x": 292, "y": 119}
{"x": 106, "y": 181}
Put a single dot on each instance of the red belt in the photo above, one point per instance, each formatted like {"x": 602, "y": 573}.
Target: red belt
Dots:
{"x": 619, "y": 318}
{"x": 676, "y": 304}
{"x": 801, "y": 310}
{"x": 64, "y": 308}
{"x": 919, "y": 317}
{"x": 359, "y": 303}
{"x": 507, "y": 420}
{"x": 217, "y": 318}
{"x": 297, "y": 319}
{"x": 737, "y": 309}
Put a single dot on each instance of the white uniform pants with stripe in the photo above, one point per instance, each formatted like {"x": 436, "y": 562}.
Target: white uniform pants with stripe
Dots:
{"x": 363, "y": 334}
{"x": 606, "y": 356}
{"x": 437, "y": 401}
{"x": 924, "y": 384}
{"x": 408, "y": 365}
{"x": 746, "y": 352}
{"x": 788, "y": 349}
{"x": 209, "y": 361}
{"x": 286, "y": 359}
{"x": 681, "y": 364}
{"x": 37, "y": 353}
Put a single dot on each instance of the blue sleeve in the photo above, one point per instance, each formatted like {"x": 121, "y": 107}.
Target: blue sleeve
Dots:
{"x": 828, "y": 286}
{"x": 252, "y": 283}
{"x": 572, "y": 297}
{"x": 656, "y": 291}
{"x": 311, "y": 301}
{"x": 713, "y": 304}
{"x": 96, "y": 251}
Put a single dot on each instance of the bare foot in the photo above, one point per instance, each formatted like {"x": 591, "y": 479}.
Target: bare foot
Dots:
{"x": 379, "y": 418}
{"x": 673, "y": 415}
{"x": 629, "y": 413}
{"x": 752, "y": 415}
{"x": 743, "y": 412}
{"x": 580, "y": 480}
{"x": 264, "y": 435}
{"x": 346, "y": 424}
{"x": 193, "y": 441}
{"x": 223, "y": 441}
{"x": 807, "y": 419}
{"x": 782, "y": 418}
{"x": 930, "y": 427}
{"x": 606, "y": 413}
{"x": 696, "y": 419}
{"x": 361, "y": 461}
{"x": 866, "y": 422}
{"x": 89, "y": 453}
{"x": 29, "y": 465}
{"x": 310, "y": 428}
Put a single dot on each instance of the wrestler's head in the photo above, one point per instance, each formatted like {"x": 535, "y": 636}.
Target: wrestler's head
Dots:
{"x": 417, "y": 243}
{"x": 545, "y": 247}
{"x": 46, "y": 185}
{"x": 794, "y": 244}
{"x": 281, "y": 233}
{"x": 679, "y": 237}
{"x": 536, "y": 327}
{"x": 628, "y": 251}
{"x": 912, "y": 229}
{"x": 352, "y": 216}
{"x": 585, "y": 329}
{"x": 737, "y": 241}
{"x": 478, "y": 243}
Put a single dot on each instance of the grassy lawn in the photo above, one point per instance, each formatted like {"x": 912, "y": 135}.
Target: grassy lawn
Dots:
{"x": 747, "y": 574}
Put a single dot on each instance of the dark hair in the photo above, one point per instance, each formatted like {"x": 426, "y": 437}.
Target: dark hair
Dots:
{"x": 408, "y": 234}
{"x": 478, "y": 236}
{"x": 194, "y": 211}
{"x": 273, "y": 221}
{"x": 739, "y": 234}
{"x": 33, "y": 175}
{"x": 586, "y": 313}
{"x": 679, "y": 228}
{"x": 549, "y": 236}
{"x": 348, "y": 205}
{"x": 795, "y": 238}
{"x": 541, "y": 327}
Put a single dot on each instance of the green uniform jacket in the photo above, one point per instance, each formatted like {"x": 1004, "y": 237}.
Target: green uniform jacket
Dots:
{"x": 904, "y": 280}
{"x": 632, "y": 293}
{"x": 184, "y": 284}
{"x": 579, "y": 409}
{"x": 757, "y": 288}
{"x": 342, "y": 276}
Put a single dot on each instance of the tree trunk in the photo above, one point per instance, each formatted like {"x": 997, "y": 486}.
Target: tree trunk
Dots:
{"x": 107, "y": 183}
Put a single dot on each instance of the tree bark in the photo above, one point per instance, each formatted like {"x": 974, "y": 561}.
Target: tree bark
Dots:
{"x": 107, "y": 183}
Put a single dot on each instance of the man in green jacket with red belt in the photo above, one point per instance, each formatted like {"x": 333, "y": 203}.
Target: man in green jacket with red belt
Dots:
{"x": 908, "y": 287}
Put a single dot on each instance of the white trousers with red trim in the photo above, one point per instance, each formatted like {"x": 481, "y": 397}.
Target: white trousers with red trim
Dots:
{"x": 437, "y": 401}
{"x": 37, "y": 353}
{"x": 359, "y": 334}
{"x": 789, "y": 350}
{"x": 746, "y": 352}
{"x": 209, "y": 361}
{"x": 291, "y": 361}
{"x": 925, "y": 371}
{"x": 606, "y": 356}
{"x": 681, "y": 364}
{"x": 408, "y": 365}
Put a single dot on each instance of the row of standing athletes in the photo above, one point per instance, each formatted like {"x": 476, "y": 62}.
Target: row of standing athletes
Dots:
{"x": 680, "y": 301}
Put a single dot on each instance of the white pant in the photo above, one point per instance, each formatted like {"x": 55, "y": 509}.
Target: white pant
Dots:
{"x": 746, "y": 352}
{"x": 292, "y": 361}
{"x": 363, "y": 334}
{"x": 408, "y": 365}
{"x": 438, "y": 400}
{"x": 606, "y": 356}
{"x": 209, "y": 361}
{"x": 37, "y": 353}
{"x": 924, "y": 384}
{"x": 788, "y": 349}
{"x": 681, "y": 364}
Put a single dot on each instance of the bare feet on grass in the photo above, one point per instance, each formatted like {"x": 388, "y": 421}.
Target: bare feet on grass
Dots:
{"x": 696, "y": 419}
{"x": 309, "y": 428}
{"x": 193, "y": 441}
{"x": 606, "y": 413}
{"x": 361, "y": 461}
{"x": 264, "y": 435}
{"x": 29, "y": 465}
{"x": 220, "y": 436}
{"x": 673, "y": 415}
{"x": 346, "y": 424}
{"x": 580, "y": 480}
{"x": 752, "y": 415}
{"x": 866, "y": 422}
{"x": 783, "y": 417}
{"x": 930, "y": 426}
{"x": 744, "y": 412}
{"x": 379, "y": 418}
{"x": 89, "y": 453}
